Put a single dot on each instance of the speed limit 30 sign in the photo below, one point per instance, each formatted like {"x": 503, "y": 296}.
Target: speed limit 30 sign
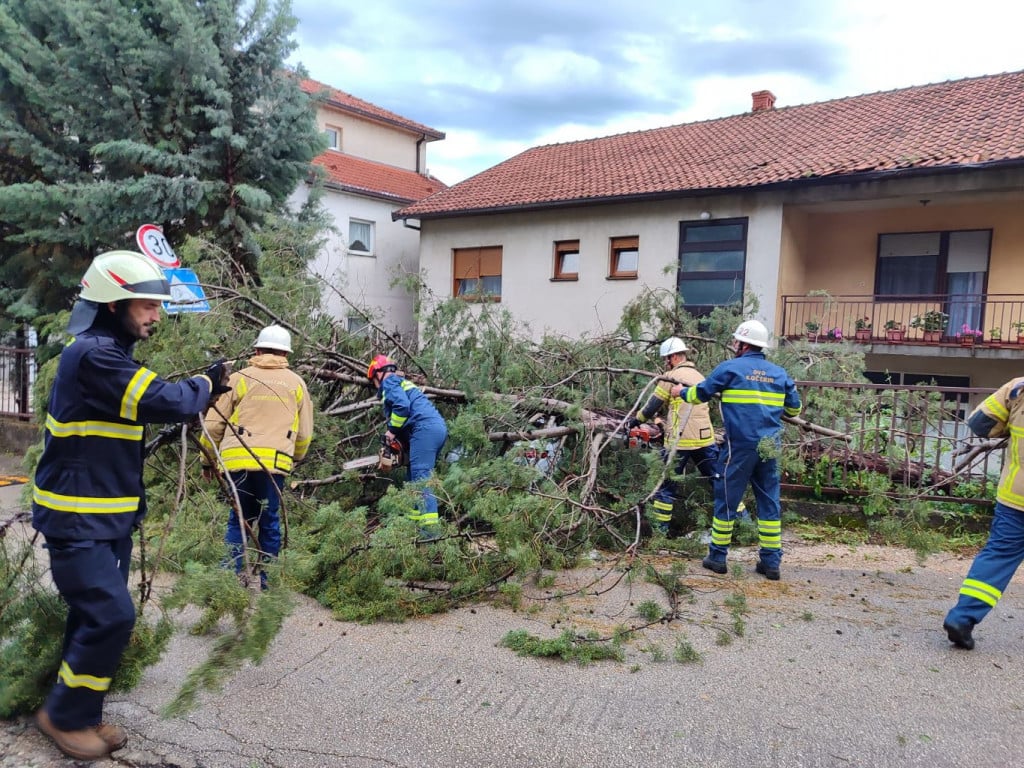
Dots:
{"x": 152, "y": 242}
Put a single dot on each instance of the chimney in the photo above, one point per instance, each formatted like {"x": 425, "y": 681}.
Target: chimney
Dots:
{"x": 763, "y": 101}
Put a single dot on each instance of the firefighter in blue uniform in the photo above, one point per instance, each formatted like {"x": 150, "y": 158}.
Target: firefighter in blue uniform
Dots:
{"x": 1000, "y": 415}
{"x": 88, "y": 493}
{"x": 421, "y": 430}
{"x": 755, "y": 394}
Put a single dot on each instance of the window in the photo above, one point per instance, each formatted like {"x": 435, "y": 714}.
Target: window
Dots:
{"x": 929, "y": 263}
{"x": 477, "y": 273}
{"x": 357, "y": 326}
{"x": 625, "y": 258}
{"x": 333, "y": 135}
{"x": 712, "y": 263}
{"x": 567, "y": 260}
{"x": 360, "y": 237}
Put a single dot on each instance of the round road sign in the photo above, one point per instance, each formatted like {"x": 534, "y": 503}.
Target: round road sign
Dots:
{"x": 152, "y": 242}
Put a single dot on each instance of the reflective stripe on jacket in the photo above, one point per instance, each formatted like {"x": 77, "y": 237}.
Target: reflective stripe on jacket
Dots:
{"x": 1001, "y": 414}
{"x": 405, "y": 405}
{"x": 88, "y": 484}
{"x": 755, "y": 394}
{"x": 270, "y": 415}
{"x": 689, "y": 425}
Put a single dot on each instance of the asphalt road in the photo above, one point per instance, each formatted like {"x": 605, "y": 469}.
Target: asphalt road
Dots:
{"x": 842, "y": 663}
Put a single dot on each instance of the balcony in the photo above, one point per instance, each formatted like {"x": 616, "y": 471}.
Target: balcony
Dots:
{"x": 989, "y": 325}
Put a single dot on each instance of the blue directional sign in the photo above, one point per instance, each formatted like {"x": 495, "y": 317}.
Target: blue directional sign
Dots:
{"x": 186, "y": 292}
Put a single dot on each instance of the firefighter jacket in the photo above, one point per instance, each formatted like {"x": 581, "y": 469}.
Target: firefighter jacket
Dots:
{"x": 405, "y": 406}
{"x": 755, "y": 395}
{"x": 88, "y": 484}
{"x": 688, "y": 425}
{"x": 1001, "y": 414}
{"x": 266, "y": 421}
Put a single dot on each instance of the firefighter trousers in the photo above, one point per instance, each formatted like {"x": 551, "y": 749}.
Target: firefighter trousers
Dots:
{"x": 992, "y": 569}
{"x": 92, "y": 578}
{"x": 739, "y": 468}
{"x": 704, "y": 458}
{"x": 425, "y": 443}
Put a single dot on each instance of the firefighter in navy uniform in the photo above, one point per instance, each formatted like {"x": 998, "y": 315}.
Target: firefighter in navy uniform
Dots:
{"x": 1000, "y": 415}
{"x": 689, "y": 428}
{"x": 755, "y": 394}
{"x": 88, "y": 493}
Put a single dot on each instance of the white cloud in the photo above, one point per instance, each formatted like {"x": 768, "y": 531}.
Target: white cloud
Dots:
{"x": 485, "y": 75}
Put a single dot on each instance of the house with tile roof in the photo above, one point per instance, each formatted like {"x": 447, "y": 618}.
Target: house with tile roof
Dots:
{"x": 863, "y": 213}
{"x": 376, "y": 164}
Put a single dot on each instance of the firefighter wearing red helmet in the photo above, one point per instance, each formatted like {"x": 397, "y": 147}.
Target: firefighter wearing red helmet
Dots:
{"x": 419, "y": 427}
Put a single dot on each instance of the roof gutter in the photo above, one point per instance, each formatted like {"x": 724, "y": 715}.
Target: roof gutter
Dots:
{"x": 817, "y": 181}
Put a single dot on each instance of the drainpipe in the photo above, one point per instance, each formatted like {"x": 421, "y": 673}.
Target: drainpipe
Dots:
{"x": 419, "y": 142}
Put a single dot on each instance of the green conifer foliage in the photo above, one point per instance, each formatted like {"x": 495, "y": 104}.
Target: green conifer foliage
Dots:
{"x": 116, "y": 113}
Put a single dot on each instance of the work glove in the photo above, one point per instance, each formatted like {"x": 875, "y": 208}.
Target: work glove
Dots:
{"x": 219, "y": 373}
{"x": 633, "y": 422}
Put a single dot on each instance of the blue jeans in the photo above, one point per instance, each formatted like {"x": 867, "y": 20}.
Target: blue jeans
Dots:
{"x": 259, "y": 493}
{"x": 992, "y": 569}
{"x": 92, "y": 577}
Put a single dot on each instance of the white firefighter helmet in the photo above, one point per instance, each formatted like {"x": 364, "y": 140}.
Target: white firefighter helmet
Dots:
{"x": 752, "y": 332}
{"x": 672, "y": 345}
{"x": 117, "y": 276}
{"x": 274, "y": 337}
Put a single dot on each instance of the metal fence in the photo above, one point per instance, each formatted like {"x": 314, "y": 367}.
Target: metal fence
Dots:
{"x": 17, "y": 375}
{"x": 915, "y": 435}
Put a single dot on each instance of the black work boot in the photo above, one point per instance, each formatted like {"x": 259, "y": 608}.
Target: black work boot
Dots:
{"x": 959, "y": 634}
{"x": 718, "y": 566}
{"x": 772, "y": 574}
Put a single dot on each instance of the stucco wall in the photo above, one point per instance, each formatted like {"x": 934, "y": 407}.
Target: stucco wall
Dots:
{"x": 593, "y": 304}
{"x": 365, "y": 280}
{"x": 362, "y": 138}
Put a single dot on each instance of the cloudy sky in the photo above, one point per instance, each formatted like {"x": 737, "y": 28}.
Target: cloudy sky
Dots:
{"x": 500, "y": 76}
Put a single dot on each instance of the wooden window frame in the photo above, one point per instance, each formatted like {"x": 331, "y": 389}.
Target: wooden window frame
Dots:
{"x": 475, "y": 264}
{"x": 616, "y": 247}
{"x": 565, "y": 248}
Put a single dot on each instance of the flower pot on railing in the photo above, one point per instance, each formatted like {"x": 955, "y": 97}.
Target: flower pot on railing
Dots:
{"x": 862, "y": 334}
{"x": 932, "y": 336}
{"x": 967, "y": 339}
{"x": 895, "y": 335}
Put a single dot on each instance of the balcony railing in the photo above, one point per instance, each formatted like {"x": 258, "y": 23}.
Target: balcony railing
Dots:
{"x": 992, "y": 318}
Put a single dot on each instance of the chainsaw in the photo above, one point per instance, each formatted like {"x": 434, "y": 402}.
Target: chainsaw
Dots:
{"x": 390, "y": 454}
{"x": 643, "y": 435}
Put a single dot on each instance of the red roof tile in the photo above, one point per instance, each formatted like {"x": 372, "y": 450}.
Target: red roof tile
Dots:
{"x": 974, "y": 121}
{"x": 349, "y": 103}
{"x": 355, "y": 174}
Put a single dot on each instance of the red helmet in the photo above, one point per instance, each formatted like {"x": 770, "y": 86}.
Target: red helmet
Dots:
{"x": 378, "y": 364}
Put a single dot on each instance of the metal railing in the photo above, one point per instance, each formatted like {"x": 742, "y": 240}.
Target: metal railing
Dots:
{"x": 914, "y": 435}
{"x": 17, "y": 374}
{"x": 996, "y": 318}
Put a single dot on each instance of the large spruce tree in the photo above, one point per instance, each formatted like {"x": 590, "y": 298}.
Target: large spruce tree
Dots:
{"x": 115, "y": 113}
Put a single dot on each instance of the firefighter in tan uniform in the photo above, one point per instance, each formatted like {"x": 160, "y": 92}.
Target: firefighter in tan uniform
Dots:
{"x": 262, "y": 427}
{"x": 1000, "y": 415}
{"x": 689, "y": 428}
